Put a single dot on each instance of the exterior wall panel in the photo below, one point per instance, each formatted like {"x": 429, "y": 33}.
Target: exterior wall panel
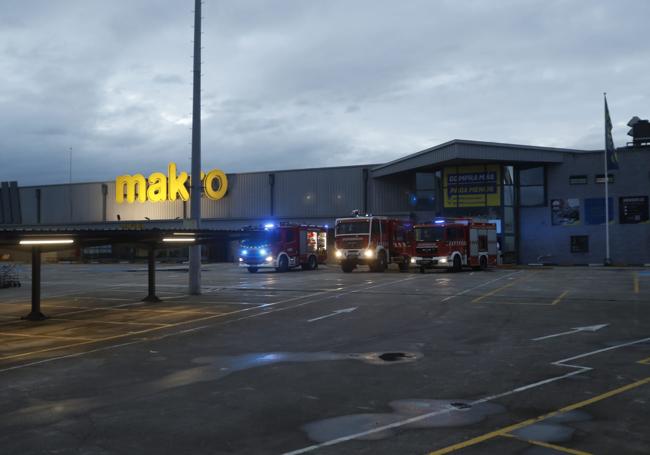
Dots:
{"x": 629, "y": 243}
{"x": 391, "y": 195}
{"x": 319, "y": 192}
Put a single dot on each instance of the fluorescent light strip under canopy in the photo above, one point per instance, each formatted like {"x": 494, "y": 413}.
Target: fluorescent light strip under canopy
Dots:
{"x": 179, "y": 239}
{"x": 46, "y": 242}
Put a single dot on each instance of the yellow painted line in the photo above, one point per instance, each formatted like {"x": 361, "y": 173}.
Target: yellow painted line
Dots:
{"x": 547, "y": 445}
{"x": 525, "y": 423}
{"x": 115, "y": 337}
{"x": 644, "y": 361}
{"x": 556, "y": 301}
{"x": 636, "y": 282}
{"x": 33, "y": 335}
{"x": 99, "y": 321}
{"x": 494, "y": 291}
{"x": 519, "y": 303}
{"x": 134, "y": 310}
{"x": 83, "y": 343}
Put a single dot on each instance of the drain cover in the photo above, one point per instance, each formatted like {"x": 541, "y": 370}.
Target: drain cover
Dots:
{"x": 393, "y": 356}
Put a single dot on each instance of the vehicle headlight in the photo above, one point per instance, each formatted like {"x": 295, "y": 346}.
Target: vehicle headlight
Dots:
{"x": 338, "y": 254}
{"x": 241, "y": 260}
{"x": 269, "y": 258}
{"x": 368, "y": 253}
{"x": 412, "y": 260}
{"x": 443, "y": 260}
{"x": 262, "y": 252}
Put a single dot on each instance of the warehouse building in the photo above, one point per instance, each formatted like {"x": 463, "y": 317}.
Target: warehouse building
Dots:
{"x": 548, "y": 203}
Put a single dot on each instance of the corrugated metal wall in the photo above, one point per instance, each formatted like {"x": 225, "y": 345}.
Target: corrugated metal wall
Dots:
{"x": 319, "y": 192}
{"x": 391, "y": 195}
{"x": 302, "y": 194}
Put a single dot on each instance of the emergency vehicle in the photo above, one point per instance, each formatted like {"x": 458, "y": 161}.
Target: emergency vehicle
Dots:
{"x": 454, "y": 244}
{"x": 375, "y": 241}
{"x": 282, "y": 247}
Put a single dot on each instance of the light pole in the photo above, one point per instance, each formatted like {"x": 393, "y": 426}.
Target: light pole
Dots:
{"x": 195, "y": 189}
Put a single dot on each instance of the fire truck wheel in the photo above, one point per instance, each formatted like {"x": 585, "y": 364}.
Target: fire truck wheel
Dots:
{"x": 312, "y": 264}
{"x": 380, "y": 264}
{"x": 347, "y": 267}
{"x": 283, "y": 264}
{"x": 252, "y": 269}
{"x": 483, "y": 263}
{"x": 458, "y": 266}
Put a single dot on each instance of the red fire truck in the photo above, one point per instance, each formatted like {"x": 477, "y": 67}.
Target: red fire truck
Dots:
{"x": 283, "y": 247}
{"x": 375, "y": 241}
{"x": 455, "y": 243}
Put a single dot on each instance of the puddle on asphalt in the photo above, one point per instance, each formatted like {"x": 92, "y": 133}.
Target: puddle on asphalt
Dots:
{"x": 441, "y": 414}
{"x": 210, "y": 369}
{"x": 552, "y": 430}
{"x": 217, "y": 367}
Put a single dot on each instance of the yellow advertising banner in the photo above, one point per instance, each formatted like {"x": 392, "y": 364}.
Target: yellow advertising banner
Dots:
{"x": 472, "y": 186}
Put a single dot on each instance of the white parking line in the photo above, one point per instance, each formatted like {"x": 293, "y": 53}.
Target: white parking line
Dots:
{"x": 401, "y": 423}
{"x": 480, "y": 286}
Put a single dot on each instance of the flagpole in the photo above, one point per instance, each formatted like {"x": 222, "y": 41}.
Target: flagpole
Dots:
{"x": 608, "y": 260}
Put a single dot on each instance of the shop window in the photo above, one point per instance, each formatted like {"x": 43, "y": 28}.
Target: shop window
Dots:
{"x": 508, "y": 195}
{"x": 531, "y": 176}
{"x": 508, "y": 220}
{"x": 425, "y": 190}
{"x": 579, "y": 243}
{"x": 600, "y": 178}
{"x": 578, "y": 180}
{"x": 532, "y": 187}
{"x": 532, "y": 196}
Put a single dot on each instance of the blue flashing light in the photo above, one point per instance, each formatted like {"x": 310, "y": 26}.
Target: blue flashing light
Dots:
{"x": 244, "y": 252}
{"x": 263, "y": 252}
{"x": 269, "y": 226}
{"x": 438, "y": 221}
{"x": 327, "y": 226}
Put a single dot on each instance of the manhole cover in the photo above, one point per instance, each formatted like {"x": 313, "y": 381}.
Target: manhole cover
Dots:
{"x": 393, "y": 356}
{"x": 460, "y": 405}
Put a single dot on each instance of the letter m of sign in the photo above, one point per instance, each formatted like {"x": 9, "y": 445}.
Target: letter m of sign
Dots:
{"x": 129, "y": 185}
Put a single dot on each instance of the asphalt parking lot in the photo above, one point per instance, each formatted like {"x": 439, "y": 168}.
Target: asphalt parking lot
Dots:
{"x": 521, "y": 361}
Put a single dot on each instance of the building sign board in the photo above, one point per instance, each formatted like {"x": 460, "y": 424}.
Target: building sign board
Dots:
{"x": 633, "y": 209}
{"x": 159, "y": 187}
{"x": 565, "y": 212}
{"x": 595, "y": 210}
{"x": 472, "y": 186}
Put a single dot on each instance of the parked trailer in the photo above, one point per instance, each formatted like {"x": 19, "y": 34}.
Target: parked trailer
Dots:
{"x": 454, "y": 244}
{"x": 375, "y": 241}
{"x": 9, "y": 276}
{"x": 282, "y": 247}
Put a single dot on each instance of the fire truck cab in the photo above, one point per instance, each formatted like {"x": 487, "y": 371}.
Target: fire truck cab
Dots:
{"x": 283, "y": 247}
{"x": 375, "y": 241}
{"x": 454, "y": 244}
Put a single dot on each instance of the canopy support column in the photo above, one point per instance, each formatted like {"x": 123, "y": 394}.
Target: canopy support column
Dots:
{"x": 35, "y": 314}
{"x": 151, "y": 297}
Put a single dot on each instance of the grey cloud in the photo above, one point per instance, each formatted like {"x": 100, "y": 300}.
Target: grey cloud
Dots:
{"x": 303, "y": 84}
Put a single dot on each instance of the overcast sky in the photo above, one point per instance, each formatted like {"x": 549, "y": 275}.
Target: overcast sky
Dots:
{"x": 294, "y": 84}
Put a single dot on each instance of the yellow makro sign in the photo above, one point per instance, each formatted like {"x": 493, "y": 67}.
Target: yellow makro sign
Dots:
{"x": 160, "y": 187}
{"x": 472, "y": 186}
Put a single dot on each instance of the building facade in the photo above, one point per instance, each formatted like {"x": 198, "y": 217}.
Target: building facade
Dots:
{"x": 548, "y": 203}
